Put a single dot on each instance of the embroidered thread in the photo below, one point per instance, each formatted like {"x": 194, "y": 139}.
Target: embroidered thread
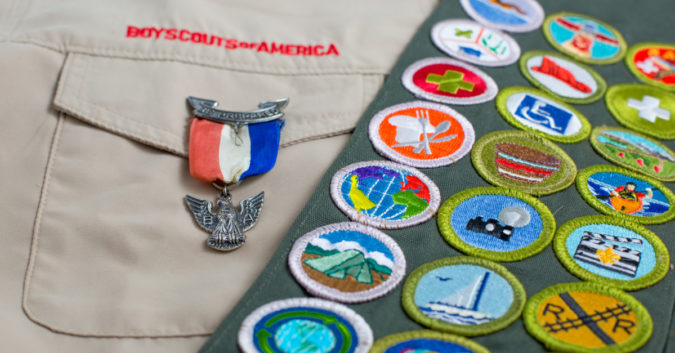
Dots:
{"x": 448, "y": 81}
{"x": 643, "y": 108}
{"x": 612, "y": 252}
{"x": 584, "y": 38}
{"x": 653, "y": 63}
{"x": 384, "y": 195}
{"x": 347, "y": 262}
{"x": 514, "y": 16}
{"x": 532, "y": 110}
{"x": 634, "y": 151}
{"x": 587, "y": 317}
{"x": 421, "y": 134}
{"x": 629, "y": 195}
{"x": 497, "y": 224}
{"x": 565, "y": 79}
{"x": 524, "y": 161}
{"x": 423, "y": 341}
{"x": 474, "y": 43}
{"x": 308, "y": 324}
{"x": 463, "y": 295}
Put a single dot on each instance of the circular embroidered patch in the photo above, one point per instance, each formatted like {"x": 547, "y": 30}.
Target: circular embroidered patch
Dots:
{"x": 304, "y": 324}
{"x": 515, "y": 16}
{"x": 653, "y": 63}
{"x": 347, "y": 262}
{"x": 620, "y": 192}
{"x": 533, "y": 110}
{"x": 473, "y": 42}
{"x": 565, "y": 79}
{"x": 634, "y": 151}
{"x": 449, "y": 81}
{"x": 587, "y": 317}
{"x": 384, "y": 194}
{"x": 643, "y": 108}
{"x": 421, "y": 134}
{"x": 496, "y": 223}
{"x": 611, "y": 251}
{"x": 524, "y": 161}
{"x": 426, "y": 341}
{"x": 463, "y": 295}
{"x": 584, "y": 38}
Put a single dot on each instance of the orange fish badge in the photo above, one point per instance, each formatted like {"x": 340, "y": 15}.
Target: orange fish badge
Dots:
{"x": 421, "y": 134}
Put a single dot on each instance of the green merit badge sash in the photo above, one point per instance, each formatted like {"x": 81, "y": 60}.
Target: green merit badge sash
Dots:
{"x": 648, "y": 21}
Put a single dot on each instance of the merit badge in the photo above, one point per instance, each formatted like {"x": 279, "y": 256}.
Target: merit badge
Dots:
{"x": 449, "y": 81}
{"x": 384, "y": 194}
{"x": 643, "y": 108}
{"x": 613, "y": 252}
{"x": 533, "y": 110}
{"x": 587, "y": 317}
{"x": 584, "y": 38}
{"x": 512, "y": 16}
{"x": 226, "y": 147}
{"x": 634, "y": 151}
{"x": 653, "y": 63}
{"x": 496, "y": 223}
{"x": 463, "y": 295}
{"x": 524, "y": 161}
{"x": 561, "y": 77}
{"x": 472, "y": 42}
{"x": 347, "y": 262}
{"x": 421, "y": 134}
{"x": 426, "y": 341}
{"x": 620, "y": 192}
{"x": 304, "y": 325}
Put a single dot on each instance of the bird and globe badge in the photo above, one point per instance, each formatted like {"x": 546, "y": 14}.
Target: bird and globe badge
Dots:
{"x": 421, "y": 134}
{"x": 498, "y": 224}
{"x": 384, "y": 194}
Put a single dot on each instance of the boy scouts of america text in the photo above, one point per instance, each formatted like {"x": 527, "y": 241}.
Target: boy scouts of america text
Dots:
{"x": 185, "y": 35}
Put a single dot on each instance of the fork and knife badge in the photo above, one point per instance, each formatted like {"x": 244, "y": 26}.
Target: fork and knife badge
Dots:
{"x": 415, "y": 131}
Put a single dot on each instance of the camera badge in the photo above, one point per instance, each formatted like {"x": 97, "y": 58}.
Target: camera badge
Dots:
{"x": 497, "y": 224}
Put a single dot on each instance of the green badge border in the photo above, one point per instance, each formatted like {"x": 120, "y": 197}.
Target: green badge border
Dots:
{"x": 637, "y": 340}
{"x": 608, "y": 156}
{"x": 660, "y": 252}
{"x": 449, "y": 234}
{"x": 582, "y": 187}
{"x": 602, "y": 85}
{"x": 504, "y": 95}
{"x": 526, "y": 138}
{"x": 382, "y": 344}
{"x": 616, "y": 111}
{"x": 511, "y": 315}
{"x": 547, "y": 33}
{"x": 640, "y": 76}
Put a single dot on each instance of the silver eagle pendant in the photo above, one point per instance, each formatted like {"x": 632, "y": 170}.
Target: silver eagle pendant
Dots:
{"x": 226, "y": 224}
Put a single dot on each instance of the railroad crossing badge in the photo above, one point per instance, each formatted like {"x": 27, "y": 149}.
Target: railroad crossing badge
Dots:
{"x": 587, "y": 317}
{"x": 653, "y": 63}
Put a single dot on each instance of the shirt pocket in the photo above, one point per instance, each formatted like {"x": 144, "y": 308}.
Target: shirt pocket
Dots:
{"x": 115, "y": 252}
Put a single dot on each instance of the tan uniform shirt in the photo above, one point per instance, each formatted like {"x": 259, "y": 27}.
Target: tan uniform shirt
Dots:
{"x": 99, "y": 252}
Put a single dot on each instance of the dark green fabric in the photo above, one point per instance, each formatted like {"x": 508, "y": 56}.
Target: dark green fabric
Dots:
{"x": 638, "y": 21}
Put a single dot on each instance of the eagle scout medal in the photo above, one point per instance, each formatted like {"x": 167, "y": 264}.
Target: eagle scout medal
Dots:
{"x": 421, "y": 134}
{"x": 587, "y": 317}
{"x": 612, "y": 252}
{"x": 426, "y": 341}
{"x": 620, "y": 192}
{"x": 643, "y": 108}
{"x": 474, "y": 43}
{"x": 304, "y": 325}
{"x": 584, "y": 38}
{"x": 449, "y": 81}
{"x": 463, "y": 295}
{"x": 226, "y": 147}
{"x": 512, "y": 15}
{"x": 347, "y": 262}
{"x": 653, "y": 63}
